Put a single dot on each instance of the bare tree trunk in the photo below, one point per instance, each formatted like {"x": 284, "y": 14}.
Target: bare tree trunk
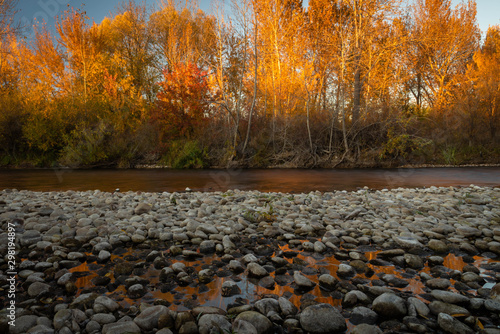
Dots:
{"x": 357, "y": 96}
{"x": 309, "y": 126}
{"x": 254, "y": 90}
{"x": 344, "y": 127}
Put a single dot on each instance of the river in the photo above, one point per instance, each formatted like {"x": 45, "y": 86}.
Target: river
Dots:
{"x": 267, "y": 180}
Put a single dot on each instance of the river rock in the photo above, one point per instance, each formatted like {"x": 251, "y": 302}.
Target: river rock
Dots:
{"x": 256, "y": 270}
{"x": 407, "y": 242}
{"x": 363, "y": 315}
{"x": 109, "y": 304}
{"x": 319, "y": 247}
{"x": 207, "y": 310}
{"x": 327, "y": 282}
{"x": 227, "y": 243}
{"x": 178, "y": 267}
{"x": 302, "y": 281}
{"x": 29, "y": 237}
{"x": 492, "y": 305}
{"x": 437, "y": 307}
{"x": 207, "y": 247}
{"x": 100, "y": 246}
{"x": 244, "y": 327}
{"x": 451, "y": 325}
{"x": 366, "y": 329}
{"x": 41, "y": 329}
{"x": 468, "y": 231}
{"x": 438, "y": 283}
{"x": 267, "y": 305}
{"x": 236, "y": 266}
{"x": 142, "y": 208}
{"x": 449, "y": 297}
{"x": 267, "y": 282}
{"x": 38, "y": 288}
{"x": 388, "y": 305}
{"x": 103, "y": 318}
{"x": 230, "y": 288}
{"x": 23, "y": 324}
{"x": 287, "y": 307}
{"x": 420, "y": 308}
{"x": 345, "y": 270}
{"x": 322, "y": 318}
{"x": 259, "y": 321}
{"x": 214, "y": 322}
{"x": 136, "y": 291}
{"x": 129, "y": 327}
{"x": 104, "y": 256}
{"x": 62, "y": 318}
{"x": 438, "y": 246}
{"x": 123, "y": 268}
{"x": 414, "y": 261}
{"x": 354, "y": 297}
{"x": 148, "y": 319}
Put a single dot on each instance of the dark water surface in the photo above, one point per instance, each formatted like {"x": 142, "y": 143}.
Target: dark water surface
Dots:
{"x": 273, "y": 180}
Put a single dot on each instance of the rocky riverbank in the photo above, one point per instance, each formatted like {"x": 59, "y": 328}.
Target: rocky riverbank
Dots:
{"x": 364, "y": 262}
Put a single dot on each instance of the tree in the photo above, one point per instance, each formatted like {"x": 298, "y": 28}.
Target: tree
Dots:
{"x": 83, "y": 46}
{"x": 7, "y": 8}
{"x": 477, "y": 92}
{"x": 183, "y": 102}
{"x": 444, "y": 40}
{"x": 130, "y": 38}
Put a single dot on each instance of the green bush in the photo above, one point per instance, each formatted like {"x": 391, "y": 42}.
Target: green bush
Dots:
{"x": 185, "y": 155}
{"x": 402, "y": 145}
{"x": 87, "y": 146}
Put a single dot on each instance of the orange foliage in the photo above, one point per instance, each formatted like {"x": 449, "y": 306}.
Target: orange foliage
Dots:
{"x": 183, "y": 101}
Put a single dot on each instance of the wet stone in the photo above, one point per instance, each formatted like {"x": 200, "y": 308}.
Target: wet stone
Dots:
{"x": 148, "y": 319}
{"x": 261, "y": 323}
{"x": 209, "y": 322}
{"x": 136, "y": 291}
{"x": 363, "y": 315}
{"x": 438, "y": 283}
{"x": 389, "y": 305}
{"x": 267, "y": 282}
{"x": 449, "y": 297}
{"x": 230, "y": 288}
{"x": 256, "y": 270}
{"x": 38, "y": 289}
{"x": 322, "y": 318}
{"x": 451, "y": 325}
{"x": 366, "y": 329}
{"x": 437, "y": 307}
{"x": 128, "y": 327}
{"x": 302, "y": 281}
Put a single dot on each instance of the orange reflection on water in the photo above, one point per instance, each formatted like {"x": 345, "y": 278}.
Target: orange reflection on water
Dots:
{"x": 183, "y": 297}
{"x": 85, "y": 281}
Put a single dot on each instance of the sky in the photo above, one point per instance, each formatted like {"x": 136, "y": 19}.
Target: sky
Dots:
{"x": 488, "y": 11}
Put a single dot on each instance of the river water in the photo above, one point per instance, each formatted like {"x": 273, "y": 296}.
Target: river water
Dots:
{"x": 268, "y": 180}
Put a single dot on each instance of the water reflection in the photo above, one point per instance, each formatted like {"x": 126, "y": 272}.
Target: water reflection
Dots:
{"x": 182, "y": 298}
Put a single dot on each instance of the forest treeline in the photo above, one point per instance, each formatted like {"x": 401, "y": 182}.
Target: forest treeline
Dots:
{"x": 257, "y": 83}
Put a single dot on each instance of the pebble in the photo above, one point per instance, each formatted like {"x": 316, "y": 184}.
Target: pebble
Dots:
{"x": 322, "y": 318}
{"x": 380, "y": 237}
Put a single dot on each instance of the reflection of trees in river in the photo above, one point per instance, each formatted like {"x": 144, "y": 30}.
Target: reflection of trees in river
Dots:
{"x": 180, "y": 296}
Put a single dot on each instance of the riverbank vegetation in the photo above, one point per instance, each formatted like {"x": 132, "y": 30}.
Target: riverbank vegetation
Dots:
{"x": 255, "y": 84}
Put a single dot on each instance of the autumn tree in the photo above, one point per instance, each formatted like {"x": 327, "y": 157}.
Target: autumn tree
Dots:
{"x": 487, "y": 74}
{"x": 83, "y": 47}
{"x": 7, "y": 8}
{"x": 476, "y": 92}
{"x": 443, "y": 41}
{"x": 130, "y": 41}
{"x": 182, "y": 33}
{"x": 183, "y": 102}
